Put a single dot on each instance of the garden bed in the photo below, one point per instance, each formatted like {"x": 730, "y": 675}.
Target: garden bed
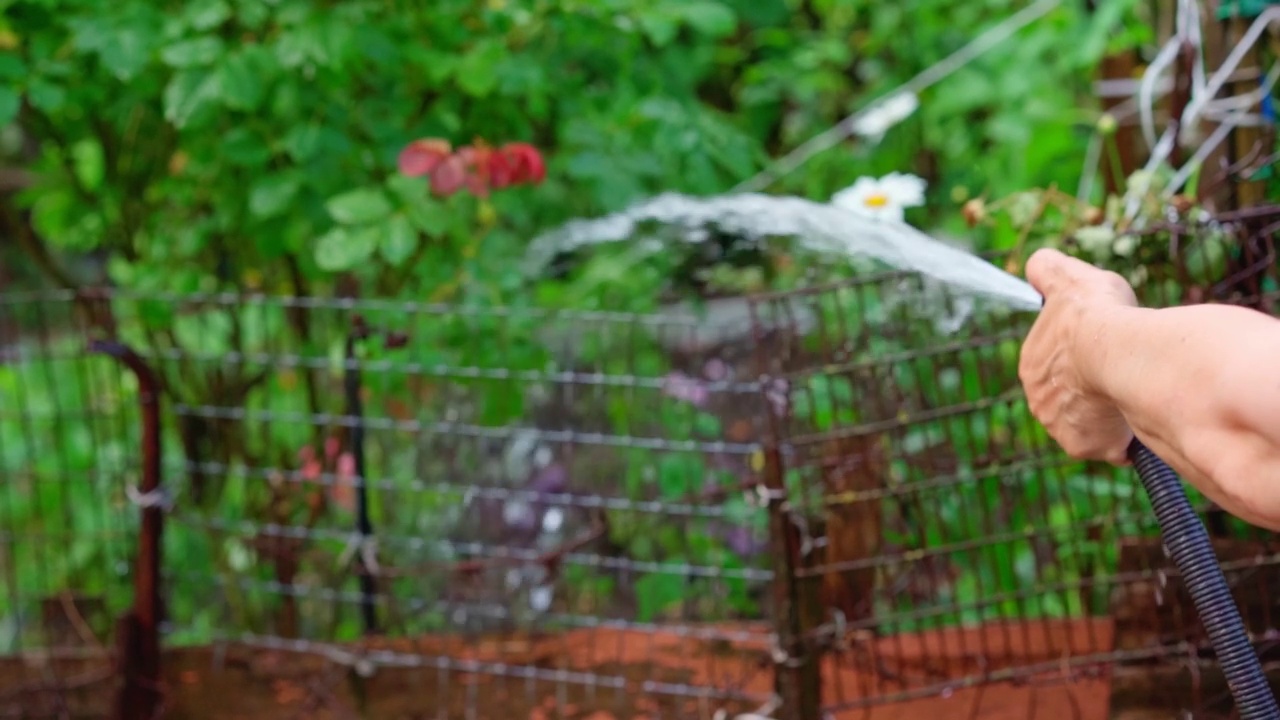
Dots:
{"x": 207, "y": 683}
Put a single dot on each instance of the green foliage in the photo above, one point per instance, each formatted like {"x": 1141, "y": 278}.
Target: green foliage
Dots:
{"x": 228, "y": 140}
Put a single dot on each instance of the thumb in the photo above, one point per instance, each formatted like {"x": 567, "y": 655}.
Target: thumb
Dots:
{"x": 1049, "y": 270}
{"x": 1044, "y": 269}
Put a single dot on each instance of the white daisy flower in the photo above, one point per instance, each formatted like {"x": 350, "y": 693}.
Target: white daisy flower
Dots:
{"x": 883, "y": 198}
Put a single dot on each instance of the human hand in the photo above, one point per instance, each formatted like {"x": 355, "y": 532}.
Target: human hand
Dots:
{"x": 1062, "y": 356}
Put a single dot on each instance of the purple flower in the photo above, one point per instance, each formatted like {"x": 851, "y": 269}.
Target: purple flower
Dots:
{"x": 778, "y": 394}
{"x": 519, "y": 515}
{"x": 684, "y": 388}
{"x": 551, "y": 480}
{"x": 715, "y": 370}
{"x": 742, "y": 542}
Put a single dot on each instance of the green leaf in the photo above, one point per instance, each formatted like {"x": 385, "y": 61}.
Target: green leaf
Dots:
{"x": 10, "y": 101}
{"x": 314, "y": 42}
{"x": 45, "y": 96}
{"x": 398, "y": 240}
{"x": 253, "y": 15}
{"x": 428, "y": 215}
{"x": 188, "y": 93}
{"x": 12, "y": 67}
{"x": 345, "y": 248}
{"x": 1103, "y": 25}
{"x": 272, "y": 194}
{"x": 205, "y": 15}
{"x": 477, "y": 71}
{"x": 357, "y": 207}
{"x": 241, "y": 79}
{"x": 678, "y": 473}
{"x": 245, "y": 148}
{"x": 304, "y": 142}
{"x": 52, "y": 213}
{"x": 89, "y": 163}
{"x": 707, "y": 425}
{"x": 660, "y": 26}
{"x": 196, "y": 52}
{"x": 656, "y": 592}
{"x": 126, "y": 52}
{"x": 709, "y": 17}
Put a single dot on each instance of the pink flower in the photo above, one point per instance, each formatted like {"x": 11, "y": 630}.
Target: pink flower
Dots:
{"x": 681, "y": 387}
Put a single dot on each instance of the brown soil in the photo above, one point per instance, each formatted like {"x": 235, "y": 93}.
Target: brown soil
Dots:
{"x": 606, "y": 675}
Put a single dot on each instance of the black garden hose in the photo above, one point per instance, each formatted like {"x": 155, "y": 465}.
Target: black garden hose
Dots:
{"x": 1188, "y": 544}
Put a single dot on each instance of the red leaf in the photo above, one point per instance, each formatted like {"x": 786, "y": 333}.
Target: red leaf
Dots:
{"x": 475, "y": 161}
{"x": 477, "y": 186}
{"x": 526, "y": 162}
{"x": 449, "y": 176}
{"x": 311, "y": 470}
{"x": 502, "y": 171}
{"x": 420, "y": 157}
{"x": 343, "y": 490}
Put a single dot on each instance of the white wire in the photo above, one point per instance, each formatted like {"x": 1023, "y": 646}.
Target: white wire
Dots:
{"x": 1230, "y": 112}
{"x": 1201, "y": 99}
{"x": 1128, "y": 87}
{"x": 1186, "y": 33}
{"x": 1208, "y": 146}
{"x": 1146, "y": 88}
{"x": 926, "y": 78}
{"x": 1197, "y": 39}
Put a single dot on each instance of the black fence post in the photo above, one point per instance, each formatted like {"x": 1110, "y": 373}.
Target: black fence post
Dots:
{"x": 139, "y": 628}
{"x": 364, "y": 526}
{"x": 364, "y": 557}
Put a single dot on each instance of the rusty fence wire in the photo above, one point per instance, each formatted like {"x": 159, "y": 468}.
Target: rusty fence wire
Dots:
{"x": 829, "y": 502}
{"x": 68, "y": 536}
{"x": 435, "y": 491}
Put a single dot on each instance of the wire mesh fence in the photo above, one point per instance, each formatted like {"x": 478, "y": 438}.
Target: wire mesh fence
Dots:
{"x": 830, "y": 502}
{"x": 66, "y": 534}
{"x": 415, "y": 474}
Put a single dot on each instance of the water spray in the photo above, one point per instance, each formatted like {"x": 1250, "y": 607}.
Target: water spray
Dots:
{"x": 828, "y": 229}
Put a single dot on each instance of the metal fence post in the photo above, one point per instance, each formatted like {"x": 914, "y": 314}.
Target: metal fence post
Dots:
{"x": 139, "y": 628}
{"x": 796, "y": 662}
{"x": 797, "y": 658}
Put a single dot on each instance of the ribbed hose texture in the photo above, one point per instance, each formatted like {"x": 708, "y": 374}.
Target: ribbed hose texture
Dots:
{"x": 1188, "y": 543}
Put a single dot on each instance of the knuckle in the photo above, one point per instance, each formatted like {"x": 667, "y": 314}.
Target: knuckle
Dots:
{"x": 1074, "y": 447}
{"x": 1117, "y": 284}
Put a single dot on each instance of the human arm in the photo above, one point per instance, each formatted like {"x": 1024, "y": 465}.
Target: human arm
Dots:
{"x": 1199, "y": 385}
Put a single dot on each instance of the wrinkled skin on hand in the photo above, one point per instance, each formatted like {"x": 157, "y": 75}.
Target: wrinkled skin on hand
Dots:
{"x": 1060, "y": 356}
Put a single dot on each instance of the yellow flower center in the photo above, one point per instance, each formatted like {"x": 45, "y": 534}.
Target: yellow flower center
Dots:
{"x": 876, "y": 200}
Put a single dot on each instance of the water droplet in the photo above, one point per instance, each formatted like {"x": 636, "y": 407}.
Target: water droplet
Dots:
{"x": 553, "y": 520}
{"x": 540, "y": 598}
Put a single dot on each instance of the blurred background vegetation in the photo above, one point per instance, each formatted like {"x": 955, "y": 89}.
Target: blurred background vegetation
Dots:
{"x": 201, "y": 145}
